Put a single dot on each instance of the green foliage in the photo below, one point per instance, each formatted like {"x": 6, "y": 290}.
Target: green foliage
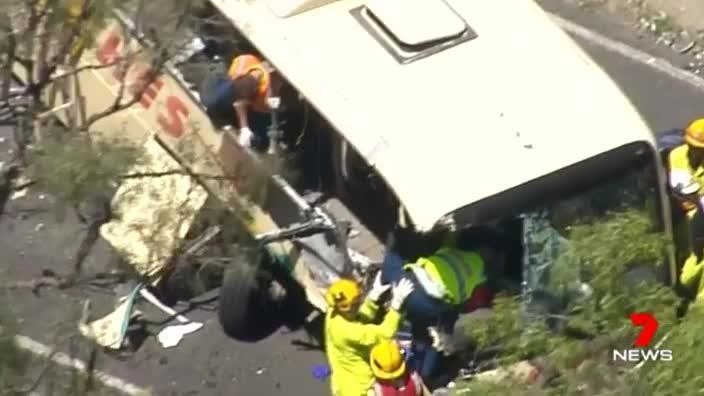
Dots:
{"x": 13, "y": 361}
{"x": 608, "y": 255}
{"x": 74, "y": 169}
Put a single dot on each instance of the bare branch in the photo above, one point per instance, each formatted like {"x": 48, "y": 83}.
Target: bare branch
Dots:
{"x": 173, "y": 173}
{"x": 6, "y": 73}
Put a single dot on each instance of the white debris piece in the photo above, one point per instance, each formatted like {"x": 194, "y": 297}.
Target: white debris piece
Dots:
{"x": 18, "y": 194}
{"x": 170, "y": 336}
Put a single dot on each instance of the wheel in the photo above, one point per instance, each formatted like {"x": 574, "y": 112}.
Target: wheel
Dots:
{"x": 248, "y": 310}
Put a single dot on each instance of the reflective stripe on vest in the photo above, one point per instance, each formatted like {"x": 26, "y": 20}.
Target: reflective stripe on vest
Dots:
{"x": 459, "y": 271}
{"x": 413, "y": 387}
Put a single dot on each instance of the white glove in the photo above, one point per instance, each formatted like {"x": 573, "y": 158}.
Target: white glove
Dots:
{"x": 401, "y": 291}
{"x": 378, "y": 288}
{"x": 691, "y": 188}
{"x": 273, "y": 102}
{"x": 440, "y": 339}
{"x": 245, "y": 138}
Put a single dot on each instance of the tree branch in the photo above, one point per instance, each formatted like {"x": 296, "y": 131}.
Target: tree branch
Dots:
{"x": 174, "y": 172}
{"x": 155, "y": 69}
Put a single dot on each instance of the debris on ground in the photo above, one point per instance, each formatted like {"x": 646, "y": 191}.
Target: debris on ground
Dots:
{"x": 111, "y": 330}
{"x": 18, "y": 194}
{"x": 170, "y": 336}
{"x": 321, "y": 372}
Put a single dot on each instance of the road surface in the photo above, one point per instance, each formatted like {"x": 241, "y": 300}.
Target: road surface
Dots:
{"x": 207, "y": 362}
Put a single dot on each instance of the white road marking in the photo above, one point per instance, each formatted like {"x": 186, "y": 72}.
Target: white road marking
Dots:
{"x": 636, "y": 55}
{"x": 65, "y": 360}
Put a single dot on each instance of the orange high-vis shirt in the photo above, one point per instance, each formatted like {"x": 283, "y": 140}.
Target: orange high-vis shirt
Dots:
{"x": 245, "y": 64}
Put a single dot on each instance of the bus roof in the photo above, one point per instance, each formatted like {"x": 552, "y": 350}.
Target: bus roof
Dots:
{"x": 451, "y": 101}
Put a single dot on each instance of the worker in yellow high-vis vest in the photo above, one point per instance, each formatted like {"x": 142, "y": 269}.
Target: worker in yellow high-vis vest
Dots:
{"x": 686, "y": 179}
{"x": 350, "y": 333}
{"x": 447, "y": 281}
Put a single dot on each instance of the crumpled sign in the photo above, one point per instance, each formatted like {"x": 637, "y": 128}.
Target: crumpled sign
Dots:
{"x": 111, "y": 330}
{"x": 153, "y": 214}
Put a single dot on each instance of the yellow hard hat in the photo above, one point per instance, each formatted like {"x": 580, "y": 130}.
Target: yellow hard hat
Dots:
{"x": 342, "y": 295}
{"x": 386, "y": 360}
{"x": 694, "y": 134}
{"x": 75, "y": 9}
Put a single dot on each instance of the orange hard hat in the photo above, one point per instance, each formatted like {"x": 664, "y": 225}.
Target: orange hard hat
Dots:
{"x": 694, "y": 134}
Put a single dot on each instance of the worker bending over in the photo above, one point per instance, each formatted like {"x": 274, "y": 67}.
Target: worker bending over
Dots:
{"x": 249, "y": 86}
{"x": 392, "y": 376}
{"x": 447, "y": 282}
{"x": 350, "y": 335}
{"x": 686, "y": 177}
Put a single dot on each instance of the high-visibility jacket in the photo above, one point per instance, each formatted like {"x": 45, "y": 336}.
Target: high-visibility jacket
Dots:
{"x": 682, "y": 173}
{"x": 348, "y": 344}
{"x": 458, "y": 271}
{"x": 245, "y": 64}
{"x": 413, "y": 386}
{"x": 692, "y": 277}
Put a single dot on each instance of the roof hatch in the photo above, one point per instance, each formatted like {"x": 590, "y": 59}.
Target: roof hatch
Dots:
{"x": 411, "y": 30}
{"x": 417, "y": 22}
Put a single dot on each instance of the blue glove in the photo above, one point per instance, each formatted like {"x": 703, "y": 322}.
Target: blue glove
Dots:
{"x": 321, "y": 371}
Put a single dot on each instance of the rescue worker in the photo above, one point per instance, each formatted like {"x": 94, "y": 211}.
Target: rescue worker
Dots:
{"x": 249, "y": 86}
{"x": 392, "y": 376}
{"x": 686, "y": 178}
{"x": 448, "y": 282}
{"x": 78, "y": 18}
{"x": 350, "y": 335}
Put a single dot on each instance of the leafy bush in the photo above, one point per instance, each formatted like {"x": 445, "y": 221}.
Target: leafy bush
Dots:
{"x": 611, "y": 256}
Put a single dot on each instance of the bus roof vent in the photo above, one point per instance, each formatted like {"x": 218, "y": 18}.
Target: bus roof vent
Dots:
{"x": 417, "y": 22}
{"x": 410, "y": 30}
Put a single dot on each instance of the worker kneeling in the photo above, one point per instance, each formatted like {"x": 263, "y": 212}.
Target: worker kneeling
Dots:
{"x": 249, "y": 86}
{"x": 449, "y": 281}
{"x": 350, "y": 333}
{"x": 392, "y": 376}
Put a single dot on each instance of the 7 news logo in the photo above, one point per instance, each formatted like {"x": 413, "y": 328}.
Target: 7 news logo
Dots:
{"x": 650, "y": 326}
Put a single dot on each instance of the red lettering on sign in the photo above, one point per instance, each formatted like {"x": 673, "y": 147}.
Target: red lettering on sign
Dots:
{"x": 150, "y": 93}
{"x": 136, "y": 75}
{"x": 171, "y": 123}
{"x": 108, "y": 51}
{"x": 141, "y": 74}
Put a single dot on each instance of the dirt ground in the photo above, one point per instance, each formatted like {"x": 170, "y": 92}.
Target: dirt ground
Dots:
{"x": 687, "y": 14}
{"x": 665, "y": 14}
{"x": 674, "y": 24}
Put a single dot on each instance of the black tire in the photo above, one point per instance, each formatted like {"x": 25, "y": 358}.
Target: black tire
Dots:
{"x": 246, "y": 310}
